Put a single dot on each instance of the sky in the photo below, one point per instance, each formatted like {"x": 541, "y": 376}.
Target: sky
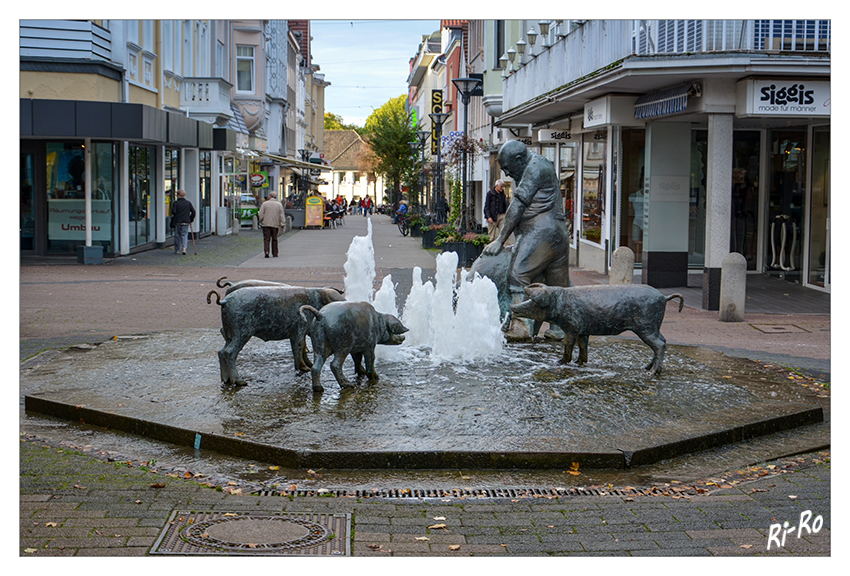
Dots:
{"x": 367, "y": 62}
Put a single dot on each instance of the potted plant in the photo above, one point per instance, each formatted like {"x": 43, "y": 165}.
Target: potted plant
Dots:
{"x": 468, "y": 245}
{"x": 429, "y": 235}
{"x": 416, "y": 223}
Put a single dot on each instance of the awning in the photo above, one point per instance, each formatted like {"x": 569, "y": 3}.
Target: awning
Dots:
{"x": 297, "y": 163}
{"x": 665, "y": 102}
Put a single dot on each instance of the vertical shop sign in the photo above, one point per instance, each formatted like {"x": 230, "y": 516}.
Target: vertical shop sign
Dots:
{"x": 436, "y": 108}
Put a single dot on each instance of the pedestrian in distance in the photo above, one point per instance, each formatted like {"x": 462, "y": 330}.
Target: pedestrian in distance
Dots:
{"x": 182, "y": 216}
{"x": 442, "y": 209}
{"x": 272, "y": 219}
{"x": 495, "y": 206}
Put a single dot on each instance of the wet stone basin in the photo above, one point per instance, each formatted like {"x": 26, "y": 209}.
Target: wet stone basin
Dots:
{"x": 522, "y": 410}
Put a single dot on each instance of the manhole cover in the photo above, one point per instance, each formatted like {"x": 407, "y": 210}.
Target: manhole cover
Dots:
{"x": 778, "y": 328}
{"x": 255, "y": 534}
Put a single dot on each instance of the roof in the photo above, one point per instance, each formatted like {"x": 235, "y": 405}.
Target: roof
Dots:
{"x": 343, "y": 148}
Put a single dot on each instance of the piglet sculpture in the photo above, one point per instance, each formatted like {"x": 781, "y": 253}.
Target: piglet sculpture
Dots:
{"x": 583, "y": 311}
{"x": 343, "y": 328}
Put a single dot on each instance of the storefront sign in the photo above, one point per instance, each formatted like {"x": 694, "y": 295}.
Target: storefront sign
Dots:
{"x": 260, "y": 180}
{"x": 610, "y": 111}
{"x": 66, "y": 219}
{"x": 551, "y": 135}
{"x": 436, "y": 108}
{"x": 313, "y": 211}
{"x": 783, "y": 98}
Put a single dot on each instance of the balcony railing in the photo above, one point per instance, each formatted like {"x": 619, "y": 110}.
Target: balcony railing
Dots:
{"x": 682, "y": 36}
{"x": 207, "y": 97}
{"x": 596, "y": 45}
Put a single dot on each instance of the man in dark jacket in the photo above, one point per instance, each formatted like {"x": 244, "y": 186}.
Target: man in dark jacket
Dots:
{"x": 182, "y": 216}
{"x": 495, "y": 207}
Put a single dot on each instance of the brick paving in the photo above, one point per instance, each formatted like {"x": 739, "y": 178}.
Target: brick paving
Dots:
{"x": 74, "y": 503}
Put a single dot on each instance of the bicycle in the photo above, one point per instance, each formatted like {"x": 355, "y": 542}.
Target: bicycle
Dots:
{"x": 403, "y": 225}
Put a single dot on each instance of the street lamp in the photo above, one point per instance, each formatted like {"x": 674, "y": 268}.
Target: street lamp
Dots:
{"x": 465, "y": 86}
{"x": 544, "y": 33}
{"x": 438, "y": 119}
{"x": 532, "y": 36}
{"x": 511, "y": 56}
{"x": 423, "y": 138}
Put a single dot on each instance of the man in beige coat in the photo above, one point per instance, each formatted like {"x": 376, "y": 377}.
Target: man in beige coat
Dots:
{"x": 272, "y": 219}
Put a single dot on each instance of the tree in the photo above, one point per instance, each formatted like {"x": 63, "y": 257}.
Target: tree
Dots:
{"x": 335, "y": 122}
{"x": 388, "y": 131}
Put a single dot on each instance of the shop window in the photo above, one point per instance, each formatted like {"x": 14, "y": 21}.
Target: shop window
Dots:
{"x": 819, "y": 220}
{"x": 697, "y": 199}
{"x": 593, "y": 185}
{"x": 632, "y": 207}
{"x": 142, "y": 205}
{"x": 567, "y": 177}
{"x": 746, "y": 150}
{"x": 66, "y": 206}
{"x": 785, "y": 231}
{"x": 205, "y": 192}
{"x": 172, "y": 182}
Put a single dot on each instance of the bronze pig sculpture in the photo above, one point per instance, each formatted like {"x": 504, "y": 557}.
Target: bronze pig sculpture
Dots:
{"x": 343, "y": 328}
{"x": 269, "y": 313}
{"x": 604, "y": 310}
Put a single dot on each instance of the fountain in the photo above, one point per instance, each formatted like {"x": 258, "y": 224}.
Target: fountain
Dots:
{"x": 454, "y": 395}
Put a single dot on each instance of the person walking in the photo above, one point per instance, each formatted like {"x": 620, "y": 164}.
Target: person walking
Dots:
{"x": 182, "y": 216}
{"x": 272, "y": 219}
{"x": 495, "y": 207}
{"x": 442, "y": 209}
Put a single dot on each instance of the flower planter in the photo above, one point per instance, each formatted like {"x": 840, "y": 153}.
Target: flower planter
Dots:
{"x": 466, "y": 252}
{"x": 428, "y": 237}
{"x": 416, "y": 230}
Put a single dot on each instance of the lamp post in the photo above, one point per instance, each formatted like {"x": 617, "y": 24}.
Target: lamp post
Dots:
{"x": 465, "y": 86}
{"x": 423, "y": 138}
{"x": 304, "y": 185}
{"x": 438, "y": 119}
{"x": 414, "y": 149}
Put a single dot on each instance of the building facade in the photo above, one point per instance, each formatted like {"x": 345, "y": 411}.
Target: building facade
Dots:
{"x": 684, "y": 140}
{"x": 117, "y": 115}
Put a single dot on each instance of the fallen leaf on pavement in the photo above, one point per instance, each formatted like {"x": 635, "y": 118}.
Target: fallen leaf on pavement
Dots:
{"x": 746, "y": 546}
{"x": 422, "y": 538}
{"x": 51, "y": 524}
{"x": 454, "y": 547}
{"x": 437, "y": 527}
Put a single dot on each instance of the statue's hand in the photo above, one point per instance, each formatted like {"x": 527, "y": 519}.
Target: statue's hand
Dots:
{"x": 493, "y": 248}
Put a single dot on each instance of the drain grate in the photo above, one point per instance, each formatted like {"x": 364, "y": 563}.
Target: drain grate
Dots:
{"x": 469, "y": 493}
{"x": 779, "y": 329}
{"x": 254, "y": 534}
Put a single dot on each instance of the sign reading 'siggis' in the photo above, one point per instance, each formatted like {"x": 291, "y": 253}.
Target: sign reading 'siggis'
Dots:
{"x": 783, "y": 98}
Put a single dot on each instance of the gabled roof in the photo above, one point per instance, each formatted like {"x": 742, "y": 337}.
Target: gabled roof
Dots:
{"x": 342, "y": 148}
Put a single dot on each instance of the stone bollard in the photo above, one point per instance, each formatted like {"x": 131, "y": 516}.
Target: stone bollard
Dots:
{"x": 733, "y": 287}
{"x": 255, "y": 222}
{"x": 622, "y": 266}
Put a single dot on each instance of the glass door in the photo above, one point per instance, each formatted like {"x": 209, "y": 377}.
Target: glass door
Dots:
{"x": 745, "y": 195}
{"x": 786, "y": 196}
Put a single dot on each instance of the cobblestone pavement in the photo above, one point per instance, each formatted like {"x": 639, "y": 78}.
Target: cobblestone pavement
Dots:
{"x": 81, "y": 501}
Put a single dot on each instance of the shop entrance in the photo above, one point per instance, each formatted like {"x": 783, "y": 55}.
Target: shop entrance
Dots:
{"x": 785, "y": 204}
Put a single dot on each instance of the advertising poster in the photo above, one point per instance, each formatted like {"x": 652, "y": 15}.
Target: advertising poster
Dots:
{"x": 314, "y": 211}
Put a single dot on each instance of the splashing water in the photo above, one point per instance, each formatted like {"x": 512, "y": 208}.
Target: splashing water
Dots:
{"x": 454, "y": 321}
{"x": 360, "y": 267}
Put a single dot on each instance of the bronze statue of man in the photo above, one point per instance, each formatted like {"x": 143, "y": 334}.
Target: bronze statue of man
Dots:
{"x": 536, "y": 218}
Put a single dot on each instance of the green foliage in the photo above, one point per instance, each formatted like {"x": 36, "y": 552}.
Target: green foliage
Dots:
{"x": 388, "y": 131}
{"x": 335, "y": 122}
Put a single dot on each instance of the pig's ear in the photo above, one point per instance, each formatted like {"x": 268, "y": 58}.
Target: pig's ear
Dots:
{"x": 395, "y": 326}
{"x": 539, "y": 294}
